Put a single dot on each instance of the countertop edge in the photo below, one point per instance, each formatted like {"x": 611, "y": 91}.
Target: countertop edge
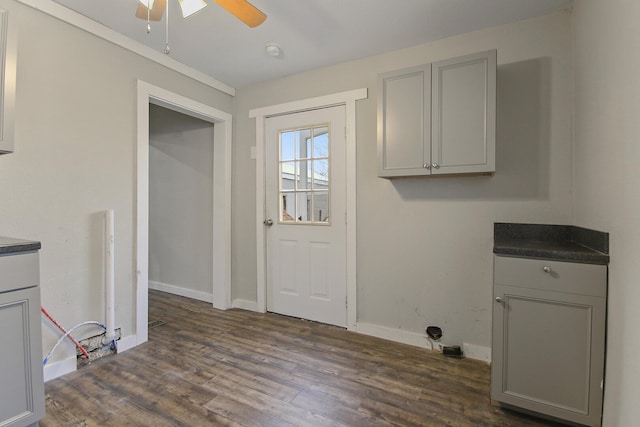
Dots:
{"x": 10, "y": 245}
{"x": 553, "y": 255}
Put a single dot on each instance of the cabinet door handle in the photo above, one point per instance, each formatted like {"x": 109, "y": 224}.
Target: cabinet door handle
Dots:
{"x": 546, "y": 269}
{"x": 427, "y": 166}
{"x": 499, "y": 299}
{"x": 435, "y": 165}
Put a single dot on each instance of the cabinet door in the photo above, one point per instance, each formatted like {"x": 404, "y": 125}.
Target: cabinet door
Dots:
{"x": 404, "y": 126}
{"x": 464, "y": 114}
{"x": 548, "y": 352}
{"x": 21, "y": 382}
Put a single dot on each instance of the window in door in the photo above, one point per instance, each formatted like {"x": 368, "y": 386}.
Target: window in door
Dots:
{"x": 304, "y": 175}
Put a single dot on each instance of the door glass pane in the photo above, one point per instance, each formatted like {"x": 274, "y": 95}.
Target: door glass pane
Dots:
{"x": 321, "y": 142}
{"x": 288, "y": 174}
{"x": 321, "y": 207}
{"x": 287, "y": 145}
{"x": 304, "y": 175}
{"x": 304, "y": 143}
{"x": 304, "y": 206}
{"x": 321, "y": 174}
{"x": 288, "y": 207}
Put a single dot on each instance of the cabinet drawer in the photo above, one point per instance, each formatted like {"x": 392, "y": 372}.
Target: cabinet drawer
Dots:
{"x": 583, "y": 279}
{"x": 18, "y": 271}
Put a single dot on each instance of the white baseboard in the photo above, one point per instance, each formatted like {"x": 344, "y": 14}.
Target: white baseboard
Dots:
{"x": 478, "y": 352}
{"x": 127, "y": 343}
{"x": 392, "y": 334}
{"x": 244, "y": 304}
{"x": 183, "y": 292}
{"x": 57, "y": 369}
{"x": 471, "y": 351}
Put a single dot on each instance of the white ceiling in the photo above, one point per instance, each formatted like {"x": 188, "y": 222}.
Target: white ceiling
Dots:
{"x": 311, "y": 33}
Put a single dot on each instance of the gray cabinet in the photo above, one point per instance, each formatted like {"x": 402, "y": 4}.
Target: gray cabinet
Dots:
{"x": 21, "y": 377}
{"x": 438, "y": 118}
{"x": 549, "y": 337}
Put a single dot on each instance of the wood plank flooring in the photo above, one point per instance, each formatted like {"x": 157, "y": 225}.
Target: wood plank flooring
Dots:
{"x": 206, "y": 367}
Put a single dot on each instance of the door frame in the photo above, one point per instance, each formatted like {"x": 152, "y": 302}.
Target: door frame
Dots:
{"x": 221, "y": 286}
{"x": 348, "y": 99}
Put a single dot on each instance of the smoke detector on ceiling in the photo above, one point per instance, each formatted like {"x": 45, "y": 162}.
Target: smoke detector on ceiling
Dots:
{"x": 273, "y": 49}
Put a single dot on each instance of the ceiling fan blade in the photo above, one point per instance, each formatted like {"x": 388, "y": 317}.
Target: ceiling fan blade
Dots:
{"x": 244, "y": 11}
{"x": 156, "y": 11}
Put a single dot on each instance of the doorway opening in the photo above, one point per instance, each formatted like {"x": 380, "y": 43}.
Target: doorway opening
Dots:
{"x": 180, "y": 204}
{"x": 219, "y": 252}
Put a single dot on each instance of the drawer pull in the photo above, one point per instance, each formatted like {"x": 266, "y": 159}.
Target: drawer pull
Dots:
{"x": 546, "y": 269}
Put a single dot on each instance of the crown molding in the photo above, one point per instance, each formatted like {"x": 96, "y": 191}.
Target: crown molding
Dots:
{"x": 77, "y": 20}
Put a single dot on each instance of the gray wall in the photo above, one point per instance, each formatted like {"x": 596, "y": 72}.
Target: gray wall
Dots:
{"x": 607, "y": 155}
{"x": 425, "y": 244}
{"x": 180, "y": 200}
{"x": 75, "y": 157}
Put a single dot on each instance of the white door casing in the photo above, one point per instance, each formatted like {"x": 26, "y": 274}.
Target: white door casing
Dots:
{"x": 306, "y": 243}
{"x": 348, "y": 99}
{"x": 221, "y": 286}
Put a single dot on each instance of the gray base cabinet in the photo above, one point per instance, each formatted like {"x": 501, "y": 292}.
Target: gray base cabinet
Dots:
{"x": 438, "y": 118}
{"x": 21, "y": 376}
{"x": 549, "y": 337}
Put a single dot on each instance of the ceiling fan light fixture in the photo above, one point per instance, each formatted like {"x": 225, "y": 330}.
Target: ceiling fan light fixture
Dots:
{"x": 189, "y": 7}
{"x": 147, "y": 3}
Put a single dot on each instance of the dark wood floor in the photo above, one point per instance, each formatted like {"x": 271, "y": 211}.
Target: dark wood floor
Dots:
{"x": 238, "y": 368}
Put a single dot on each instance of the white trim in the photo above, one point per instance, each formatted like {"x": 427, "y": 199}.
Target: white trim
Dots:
{"x": 472, "y": 351}
{"x": 221, "y": 287}
{"x": 352, "y": 313}
{"x": 126, "y": 343}
{"x": 81, "y": 22}
{"x": 261, "y": 267}
{"x": 391, "y": 334}
{"x": 244, "y": 304}
{"x": 53, "y": 370}
{"x": 478, "y": 352}
{"x": 181, "y": 291}
{"x": 340, "y": 98}
{"x": 348, "y": 99}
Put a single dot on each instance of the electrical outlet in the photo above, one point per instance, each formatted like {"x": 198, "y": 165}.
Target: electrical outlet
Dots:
{"x": 452, "y": 351}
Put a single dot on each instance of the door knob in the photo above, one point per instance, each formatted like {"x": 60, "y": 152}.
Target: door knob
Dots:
{"x": 499, "y": 299}
{"x": 435, "y": 165}
{"x": 268, "y": 222}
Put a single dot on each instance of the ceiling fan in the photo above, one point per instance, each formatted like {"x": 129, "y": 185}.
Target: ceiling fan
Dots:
{"x": 243, "y": 10}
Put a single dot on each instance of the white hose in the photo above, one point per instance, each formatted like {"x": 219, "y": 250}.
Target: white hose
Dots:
{"x": 90, "y": 322}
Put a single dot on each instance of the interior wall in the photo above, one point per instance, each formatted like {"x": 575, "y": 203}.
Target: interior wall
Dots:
{"x": 180, "y": 203}
{"x": 607, "y": 154}
{"x": 425, "y": 244}
{"x": 75, "y": 157}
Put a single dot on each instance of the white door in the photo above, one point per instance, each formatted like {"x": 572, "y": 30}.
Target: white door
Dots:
{"x": 306, "y": 204}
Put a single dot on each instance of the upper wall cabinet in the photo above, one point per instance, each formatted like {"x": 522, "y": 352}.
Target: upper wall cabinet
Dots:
{"x": 438, "y": 118}
{"x": 7, "y": 79}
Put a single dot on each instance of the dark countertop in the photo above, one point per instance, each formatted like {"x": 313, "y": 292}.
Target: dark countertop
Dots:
{"x": 11, "y": 245}
{"x": 553, "y": 242}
